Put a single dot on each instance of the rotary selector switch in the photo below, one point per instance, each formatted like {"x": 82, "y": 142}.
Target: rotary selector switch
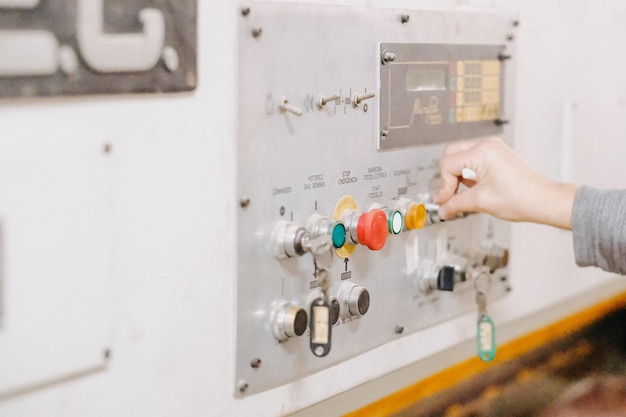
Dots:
{"x": 288, "y": 240}
{"x": 354, "y": 300}
{"x": 288, "y": 320}
{"x": 433, "y": 276}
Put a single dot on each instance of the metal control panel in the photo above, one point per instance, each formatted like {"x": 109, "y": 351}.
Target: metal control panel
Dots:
{"x": 343, "y": 115}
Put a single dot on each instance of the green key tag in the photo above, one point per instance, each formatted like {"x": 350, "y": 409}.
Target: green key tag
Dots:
{"x": 486, "y": 338}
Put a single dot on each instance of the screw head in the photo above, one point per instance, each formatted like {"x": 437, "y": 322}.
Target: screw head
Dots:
{"x": 399, "y": 329}
{"x": 245, "y": 11}
{"x": 255, "y": 363}
{"x": 405, "y": 18}
{"x": 244, "y": 202}
{"x": 257, "y": 32}
{"x": 242, "y": 386}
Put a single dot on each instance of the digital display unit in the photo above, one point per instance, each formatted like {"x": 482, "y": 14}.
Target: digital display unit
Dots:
{"x": 434, "y": 93}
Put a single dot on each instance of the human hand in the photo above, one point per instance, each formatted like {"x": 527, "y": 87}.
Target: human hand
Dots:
{"x": 504, "y": 186}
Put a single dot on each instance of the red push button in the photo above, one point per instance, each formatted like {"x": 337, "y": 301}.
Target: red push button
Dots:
{"x": 371, "y": 229}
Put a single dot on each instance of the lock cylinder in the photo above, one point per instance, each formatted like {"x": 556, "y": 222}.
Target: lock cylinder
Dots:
{"x": 288, "y": 321}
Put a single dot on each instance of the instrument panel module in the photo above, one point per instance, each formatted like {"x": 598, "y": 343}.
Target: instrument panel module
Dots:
{"x": 343, "y": 115}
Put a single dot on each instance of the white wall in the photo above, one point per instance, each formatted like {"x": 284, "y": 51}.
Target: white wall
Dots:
{"x": 172, "y": 185}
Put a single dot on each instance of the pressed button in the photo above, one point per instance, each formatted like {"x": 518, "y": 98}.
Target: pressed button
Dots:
{"x": 372, "y": 229}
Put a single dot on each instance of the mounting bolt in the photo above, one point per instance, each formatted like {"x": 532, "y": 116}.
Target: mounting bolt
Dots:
{"x": 257, "y": 32}
{"x": 244, "y": 201}
{"x": 405, "y": 18}
{"x": 383, "y": 133}
{"x": 245, "y": 11}
{"x": 242, "y": 386}
{"x": 387, "y": 56}
{"x": 255, "y": 363}
{"x": 399, "y": 329}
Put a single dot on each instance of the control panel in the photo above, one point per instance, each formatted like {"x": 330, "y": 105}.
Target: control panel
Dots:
{"x": 344, "y": 113}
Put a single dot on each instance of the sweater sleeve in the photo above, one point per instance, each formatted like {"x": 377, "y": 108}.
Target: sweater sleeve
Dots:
{"x": 599, "y": 228}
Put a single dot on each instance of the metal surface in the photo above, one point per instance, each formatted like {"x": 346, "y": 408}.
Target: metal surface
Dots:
{"x": 294, "y": 164}
{"x": 56, "y": 47}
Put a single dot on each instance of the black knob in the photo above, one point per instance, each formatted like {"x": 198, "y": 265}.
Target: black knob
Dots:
{"x": 445, "y": 279}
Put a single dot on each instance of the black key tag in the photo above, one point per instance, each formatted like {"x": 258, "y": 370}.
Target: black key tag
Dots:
{"x": 320, "y": 328}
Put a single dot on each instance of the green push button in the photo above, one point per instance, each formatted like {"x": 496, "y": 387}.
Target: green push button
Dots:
{"x": 338, "y": 235}
{"x": 395, "y": 222}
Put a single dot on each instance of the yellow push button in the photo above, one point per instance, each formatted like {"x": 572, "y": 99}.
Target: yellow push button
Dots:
{"x": 415, "y": 217}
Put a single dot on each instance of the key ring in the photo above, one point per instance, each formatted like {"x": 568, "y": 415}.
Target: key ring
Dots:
{"x": 482, "y": 271}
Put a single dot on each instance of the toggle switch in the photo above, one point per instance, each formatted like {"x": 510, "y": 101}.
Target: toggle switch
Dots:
{"x": 354, "y": 300}
{"x": 323, "y": 100}
{"x": 288, "y": 321}
{"x": 358, "y": 98}
{"x": 284, "y": 106}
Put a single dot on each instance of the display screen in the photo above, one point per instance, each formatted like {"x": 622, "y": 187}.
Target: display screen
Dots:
{"x": 423, "y": 78}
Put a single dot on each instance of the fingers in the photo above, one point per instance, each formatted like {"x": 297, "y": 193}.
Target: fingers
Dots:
{"x": 460, "y": 146}
{"x": 451, "y": 167}
{"x": 458, "y": 204}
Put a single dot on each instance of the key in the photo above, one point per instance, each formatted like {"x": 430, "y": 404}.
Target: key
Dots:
{"x": 320, "y": 329}
{"x": 486, "y": 331}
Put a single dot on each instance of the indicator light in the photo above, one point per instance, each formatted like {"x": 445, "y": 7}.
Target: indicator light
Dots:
{"x": 395, "y": 222}
{"x": 338, "y": 235}
{"x": 415, "y": 217}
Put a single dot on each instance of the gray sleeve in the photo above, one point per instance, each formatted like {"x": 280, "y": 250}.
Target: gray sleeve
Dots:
{"x": 599, "y": 228}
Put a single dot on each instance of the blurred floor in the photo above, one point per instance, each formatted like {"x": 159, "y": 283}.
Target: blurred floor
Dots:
{"x": 581, "y": 374}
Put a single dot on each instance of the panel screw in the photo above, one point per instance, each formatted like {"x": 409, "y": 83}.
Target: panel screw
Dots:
{"x": 242, "y": 386}
{"x": 107, "y": 148}
{"x": 384, "y": 133}
{"x": 245, "y": 11}
{"x": 516, "y": 23}
{"x": 503, "y": 278}
{"x": 107, "y": 354}
{"x": 255, "y": 363}
{"x": 256, "y": 32}
{"x": 387, "y": 56}
{"x": 399, "y": 329}
{"x": 510, "y": 38}
{"x": 405, "y": 18}
{"x": 244, "y": 202}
